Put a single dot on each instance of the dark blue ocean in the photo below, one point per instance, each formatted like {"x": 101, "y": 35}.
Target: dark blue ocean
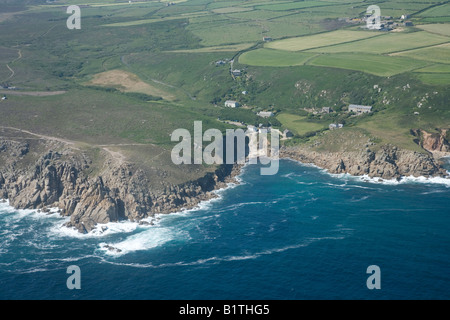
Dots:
{"x": 301, "y": 234}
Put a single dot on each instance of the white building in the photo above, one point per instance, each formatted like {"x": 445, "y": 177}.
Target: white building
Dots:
{"x": 265, "y": 114}
{"x": 359, "y": 109}
{"x": 231, "y": 104}
{"x": 236, "y": 73}
{"x": 334, "y": 126}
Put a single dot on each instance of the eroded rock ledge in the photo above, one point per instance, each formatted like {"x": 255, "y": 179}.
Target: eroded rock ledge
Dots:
{"x": 388, "y": 162}
{"x": 120, "y": 191}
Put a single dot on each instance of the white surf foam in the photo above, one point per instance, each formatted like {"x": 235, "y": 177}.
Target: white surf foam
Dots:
{"x": 101, "y": 230}
{"x": 365, "y": 178}
{"x": 145, "y": 240}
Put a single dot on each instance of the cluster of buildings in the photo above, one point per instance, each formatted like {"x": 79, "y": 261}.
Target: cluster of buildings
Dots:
{"x": 235, "y": 104}
{"x": 387, "y": 23}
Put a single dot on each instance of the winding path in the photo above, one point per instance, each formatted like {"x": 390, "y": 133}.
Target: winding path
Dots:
{"x": 117, "y": 155}
{"x": 19, "y": 52}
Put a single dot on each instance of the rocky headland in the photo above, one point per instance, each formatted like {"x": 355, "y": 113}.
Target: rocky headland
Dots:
{"x": 51, "y": 174}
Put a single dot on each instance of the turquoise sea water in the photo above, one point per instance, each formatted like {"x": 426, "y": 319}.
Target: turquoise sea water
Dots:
{"x": 302, "y": 234}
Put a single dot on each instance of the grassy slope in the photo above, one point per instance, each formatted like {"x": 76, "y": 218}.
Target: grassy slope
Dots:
{"x": 175, "y": 53}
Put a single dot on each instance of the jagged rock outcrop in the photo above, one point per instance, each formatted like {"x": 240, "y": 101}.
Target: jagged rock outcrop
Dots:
{"x": 119, "y": 191}
{"x": 388, "y": 162}
{"x": 433, "y": 142}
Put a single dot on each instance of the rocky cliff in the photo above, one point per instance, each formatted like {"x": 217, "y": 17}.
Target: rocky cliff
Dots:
{"x": 388, "y": 162}
{"x": 435, "y": 143}
{"x": 48, "y": 178}
{"x": 43, "y": 174}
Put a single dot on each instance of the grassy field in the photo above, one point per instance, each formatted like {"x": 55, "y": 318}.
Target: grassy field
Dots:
{"x": 439, "y": 28}
{"x": 297, "y": 124}
{"x": 439, "y": 53}
{"x": 371, "y": 63}
{"x": 438, "y": 11}
{"x": 320, "y": 40}
{"x": 438, "y": 79}
{"x": 295, "y": 5}
{"x": 435, "y": 68}
{"x": 127, "y": 82}
{"x": 388, "y": 43}
{"x": 226, "y": 48}
{"x": 274, "y": 58}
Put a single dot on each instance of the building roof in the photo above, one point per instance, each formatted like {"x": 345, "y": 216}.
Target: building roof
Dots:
{"x": 360, "y": 107}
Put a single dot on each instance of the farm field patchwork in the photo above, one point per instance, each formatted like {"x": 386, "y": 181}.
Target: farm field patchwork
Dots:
{"x": 388, "y": 43}
{"x": 320, "y": 40}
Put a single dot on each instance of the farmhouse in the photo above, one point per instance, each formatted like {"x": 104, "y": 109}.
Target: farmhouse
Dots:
{"x": 265, "y": 114}
{"x": 236, "y": 73}
{"x": 404, "y": 16}
{"x": 326, "y": 110}
{"x": 334, "y": 126}
{"x": 359, "y": 109}
{"x": 231, "y": 104}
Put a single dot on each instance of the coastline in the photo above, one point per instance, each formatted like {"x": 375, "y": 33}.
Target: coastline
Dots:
{"x": 120, "y": 192}
{"x": 387, "y": 163}
{"x": 202, "y": 201}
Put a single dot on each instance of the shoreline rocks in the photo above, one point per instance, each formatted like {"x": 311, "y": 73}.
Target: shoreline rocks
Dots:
{"x": 120, "y": 191}
{"x": 389, "y": 162}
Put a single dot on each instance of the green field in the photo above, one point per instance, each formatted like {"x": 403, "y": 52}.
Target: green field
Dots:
{"x": 320, "y": 40}
{"x": 435, "y": 68}
{"x": 438, "y": 11}
{"x": 439, "y": 79}
{"x": 226, "y": 48}
{"x": 274, "y": 58}
{"x": 439, "y": 28}
{"x": 379, "y": 65}
{"x": 440, "y": 53}
{"x": 388, "y": 43}
{"x": 297, "y": 124}
{"x": 296, "y": 5}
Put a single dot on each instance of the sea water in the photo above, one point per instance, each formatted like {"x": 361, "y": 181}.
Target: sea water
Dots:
{"x": 301, "y": 234}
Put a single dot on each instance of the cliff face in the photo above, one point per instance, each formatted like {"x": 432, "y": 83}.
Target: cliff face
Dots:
{"x": 433, "y": 142}
{"x": 51, "y": 174}
{"x": 120, "y": 191}
{"x": 389, "y": 162}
